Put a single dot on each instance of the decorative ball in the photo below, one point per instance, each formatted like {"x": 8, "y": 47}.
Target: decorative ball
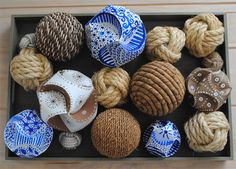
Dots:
{"x": 207, "y": 131}
{"x": 213, "y": 61}
{"x": 30, "y": 69}
{"x": 59, "y": 36}
{"x": 165, "y": 43}
{"x": 115, "y": 133}
{"x": 204, "y": 33}
{"x": 162, "y": 138}
{"x": 27, "y": 41}
{"x": 112, "y": 85}
{"x": 70, "y": 141}
{"x": 157, "y": 88}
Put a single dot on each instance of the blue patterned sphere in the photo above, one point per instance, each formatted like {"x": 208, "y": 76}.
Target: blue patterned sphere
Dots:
{"x": 162, "y": 138}
{"x": 27, "y": 135}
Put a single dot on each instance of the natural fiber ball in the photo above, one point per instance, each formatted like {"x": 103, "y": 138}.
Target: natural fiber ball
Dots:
{"x": 207, "y": 131}
{"x": 27, "y": 41}
{"x": 30, "y": 69}
{"x": 204, "y": 33}
{"x": 213, "y": 61}
{"x": 157, "y": 88}
{"x": 115, "y": 133}
{"x": 165, "y": 43}
{"x": 59, "y": 36}
{"x": 112, "y": 85}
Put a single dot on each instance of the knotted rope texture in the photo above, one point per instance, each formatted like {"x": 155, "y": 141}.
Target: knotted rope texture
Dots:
{"x": 165, "y": 43}
{"x": 112, "y": 85}
{"x": 207, "y": 132}
{"x": 27, "y": 41}
{"x": 30, "y": 69}
{"x": 204, "y": 33}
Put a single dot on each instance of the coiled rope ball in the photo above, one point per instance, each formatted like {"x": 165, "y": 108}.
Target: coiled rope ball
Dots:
{"x": 30, "y": 69}
{"x": 59, "y": 36}
{"x": 157, "y": 88}
{"x": 204, "y": 33}
{"x": 165, "y": 43}
{"x": 112, "y": 86}
{"x": 207, "y": 131}
{"x": 115, "y": 133}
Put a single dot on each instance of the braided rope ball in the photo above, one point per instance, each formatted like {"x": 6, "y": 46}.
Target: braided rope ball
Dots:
{"x": 165, "y": 43}
{"x": 27, "y": 41}
{"x": 115, "y": 133}
{"x": 157, "y": 88}
{"x": 59, "y": 36}
{"x": 207, "y": 131}
{"x": 204, "y": 33}
{"x": 30, "y": 69}
{"x": 112, "y": 86}
{"x": 213, "y": 61}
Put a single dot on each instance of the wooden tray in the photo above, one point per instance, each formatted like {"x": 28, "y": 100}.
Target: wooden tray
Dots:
{"x": 19, "y": 99}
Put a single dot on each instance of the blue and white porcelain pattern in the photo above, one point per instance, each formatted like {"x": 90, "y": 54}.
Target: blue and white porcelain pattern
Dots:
{"x": 115, "y": 36}
{"x": 162, "y": 138}
{"x": 27, "y": 135}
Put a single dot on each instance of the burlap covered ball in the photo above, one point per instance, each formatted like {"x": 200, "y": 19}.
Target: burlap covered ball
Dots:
{"x": 112, "y": 86}
{"x": 59, "y": 36}
{"x": 157, "y": 88}
{"x": 30, "y": 69}
{"x": 115, "y": 133}
{"x": 165, "y": 43}
{"x": 204, "y": 33}
{"x": 207, "y": 131}
{"x": 213, "y": 61}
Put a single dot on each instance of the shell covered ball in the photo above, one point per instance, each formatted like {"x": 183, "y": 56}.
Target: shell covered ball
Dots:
{"x": 157, "y": 88}
{"x": 115, "y": 36}
{"x": 115, "y": 133}
{"x": 59, "y": 36}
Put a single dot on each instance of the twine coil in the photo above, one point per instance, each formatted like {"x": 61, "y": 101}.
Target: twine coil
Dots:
{"x": 213, "y": 61}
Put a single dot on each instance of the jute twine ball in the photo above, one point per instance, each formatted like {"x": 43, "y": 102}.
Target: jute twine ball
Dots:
{"x": 115, "y": 133}
{"x": 112, "y": 86}
{"x": 204, "y": 33}
{"x": 207, "y": 131}
{"x": 30, "y": 69}
{"x": 157, "y": 88}
{"x": 213, "y": 61}
{"x": 59, "y": 36}
{"x": 27, "y": 41}
{"x": 165, "y": 43}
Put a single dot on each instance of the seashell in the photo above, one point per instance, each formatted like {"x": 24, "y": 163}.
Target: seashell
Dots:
{"x": 28, "y": 40}
{"x": 69, "y": 140}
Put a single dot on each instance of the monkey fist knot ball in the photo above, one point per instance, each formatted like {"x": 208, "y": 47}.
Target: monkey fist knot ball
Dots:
{"x": 165, "y": 43}
{"x": 59, "y": 36}
{"x": 27, "y": 41}
{"x": 157, "y": 88}
{"x": 204, "y": 33}
{"x": 115, "y": 133}
{"x": 30, "y": 69}
{"x": 112, "y": 86}
{"x": 207, "y": 131}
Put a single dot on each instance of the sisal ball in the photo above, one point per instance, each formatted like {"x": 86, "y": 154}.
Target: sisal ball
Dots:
{"x": 30, "y": 69}
{"x": 112, "y": 86}
{"x": 204, "y": 33}
{"x": 207, "y": 131}
{"x": 213, "y": 61}
{"x": 115, "y": 133}
{"x": 59, "y": 36}
{"x": 157, "y": 88}
{"x": 27, "y": 41}
{"x": 165, "y": 43}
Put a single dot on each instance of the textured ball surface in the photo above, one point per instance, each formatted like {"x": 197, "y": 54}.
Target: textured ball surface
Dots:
{"x": 213, "y": 61}
{"x": 157, "y": 88}
{"x": 115, "y": 133}
{"x": 27, "y": 41}
{"x": 59, "y": 36}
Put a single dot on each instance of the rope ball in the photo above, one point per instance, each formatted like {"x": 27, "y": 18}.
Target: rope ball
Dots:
{"x": 27, "y": 41}
{"x": 112, "y": 86}
{"x": 165, "y": 43}
{"x": 30, "y": 69}
{"x": 204, "y": 33}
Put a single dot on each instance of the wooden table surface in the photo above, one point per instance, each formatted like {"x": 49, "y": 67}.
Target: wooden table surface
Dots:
{"x": 9, "y": 7}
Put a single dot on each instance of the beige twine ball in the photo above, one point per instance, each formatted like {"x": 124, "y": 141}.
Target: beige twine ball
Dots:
{"x": 213, "y": 61}
{"x": 165, "y": 43}
{"x": 112, "y": 85}
{"x": 207, "y": 131}
{"x": 30, "y": 69}
{"x": 204, "y": 33}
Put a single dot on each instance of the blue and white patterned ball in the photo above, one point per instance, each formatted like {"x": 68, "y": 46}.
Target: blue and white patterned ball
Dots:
{"x": 162, "y": 138}
{"x": 27, "y": 135}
